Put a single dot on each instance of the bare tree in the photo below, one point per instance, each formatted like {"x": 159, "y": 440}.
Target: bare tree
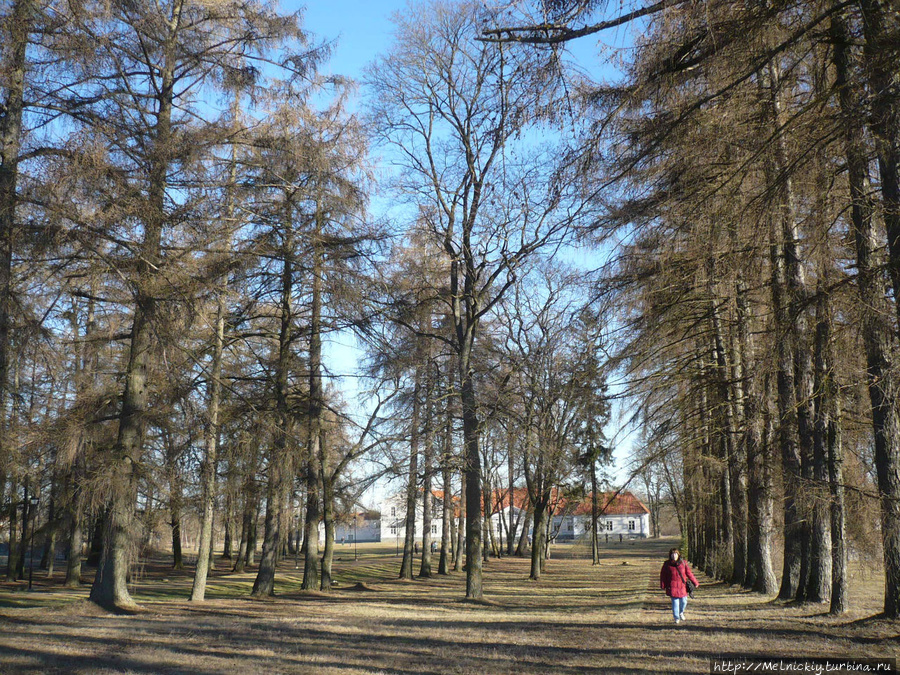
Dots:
{"x": 451, "y": 106}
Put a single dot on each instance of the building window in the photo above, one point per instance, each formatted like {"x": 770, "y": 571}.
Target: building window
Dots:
{"x": 609, "y": 525}
{"x": 630, "y": 524}
{"x": 393, "y": 529}
{"x": 434, "y": 529}
{"x": 393, "y": 510}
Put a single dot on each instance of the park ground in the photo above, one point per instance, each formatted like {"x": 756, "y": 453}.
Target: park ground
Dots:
{"x": 577, "y": 619}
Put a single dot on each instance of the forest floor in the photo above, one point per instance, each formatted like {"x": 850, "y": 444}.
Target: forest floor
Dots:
{"x": 577, "y": 619}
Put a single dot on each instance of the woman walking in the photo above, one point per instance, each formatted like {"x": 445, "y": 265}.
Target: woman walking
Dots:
{"x": 673, "y": 579}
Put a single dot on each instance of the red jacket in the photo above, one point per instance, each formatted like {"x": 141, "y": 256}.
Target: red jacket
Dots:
{"x": 670, "y": 578}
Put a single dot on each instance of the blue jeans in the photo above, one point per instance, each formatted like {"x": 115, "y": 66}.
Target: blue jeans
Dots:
{"x": 678, "y": 606}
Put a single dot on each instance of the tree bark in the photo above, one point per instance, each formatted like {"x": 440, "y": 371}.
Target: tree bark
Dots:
{"x": 13, "y": 108}
{"x": 881, "y": 25}
{"x": 786, "y": 381}
{"x": 412, "y": 481}
{"x": 208, "y": 469}
{"x": 539, "y": 541}
{"x": 522, "y": 546}
{"x": 447, "y": 501}
{"x": 279, "y": 461}
{"x": 328, "y": 521}
{"x": 240, "y": 560}
{"x": 428, "y": 468}
{"x": 12, "y": 560}
{"x": 460, "y": 526}
{"x": 75, "y": 520}
{"x": 109, "y": 589}
{"x": 826, "y": 420}
{"x": 595, "y": 515}
{"x": 175, "y": 499}
{"x": 472, "y": 470}
{"x": 879, "y": 337}
{"x": 758, "y": 454}
{"x": 511, "y": 475}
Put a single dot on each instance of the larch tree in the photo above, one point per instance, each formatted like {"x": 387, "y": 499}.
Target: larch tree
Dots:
{"x": 140, "y": 103}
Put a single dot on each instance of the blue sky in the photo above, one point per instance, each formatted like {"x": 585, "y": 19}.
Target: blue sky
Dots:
{"x": 361, "y": 30}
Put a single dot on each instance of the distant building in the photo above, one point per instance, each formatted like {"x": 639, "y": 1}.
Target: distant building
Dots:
{"x": 364, "y": 526}
{"x": 619, "y": 514}
{"x": 393, "y": 515}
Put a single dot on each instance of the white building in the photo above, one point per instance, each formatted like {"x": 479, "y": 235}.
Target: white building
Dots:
{"x": 393, "y": 516}
{"x": 364, "y": 526}
{"x": 621, "y": 515}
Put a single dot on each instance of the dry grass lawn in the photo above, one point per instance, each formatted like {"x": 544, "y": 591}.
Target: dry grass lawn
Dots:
{"x": 577, "y": 619}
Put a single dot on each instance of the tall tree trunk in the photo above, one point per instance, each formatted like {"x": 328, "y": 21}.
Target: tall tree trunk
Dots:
{"x": 249, "y": 509}
{"x": 460, "y": 527}
{"x": 208, "y": 470}
{"x": 758, "y": 443}
{"x": 735, "y": 507}
{"x": 327, "y": 519}
{"x": 511, "y": 476}
{"x": 51, "y": 538}
{"x": 428, "y": 462}
{"x": 279, "y": 461}
{"x": 522, "y": 545}
{"x": 787, "y": 284}
{"x": 488, "y": 514}
{"x": 412, "y": 482}
{"x": 447, "y": 501}
{"x": 12, "y": 560}
{"x": 253, "y": 528}
{"x": 313, "y": 513}
{"x": 881, "y": 26}
{"x": 228, "y": 544}
{"x": 825, "y": 421}
{"x": 595, "y": 514}
{"x": 878, "y": 333}
{"x": 75, "y": 521}
{"x": 539, "y": 541}
{"x": 175, "y": 499}
{"x": 472, "y": 470}
{"x": 13, "y": 108}
{"x": 264, "y": 584}
{"x": 109, "y": 589}
{"x": 427, "y": 506}
{"x": 98, "y": 527}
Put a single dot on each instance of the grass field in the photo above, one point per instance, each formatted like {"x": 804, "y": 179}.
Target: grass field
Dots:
{"x": 577, "y": 619}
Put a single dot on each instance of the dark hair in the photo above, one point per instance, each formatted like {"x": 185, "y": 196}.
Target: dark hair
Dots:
{"x": 675, "y": 550}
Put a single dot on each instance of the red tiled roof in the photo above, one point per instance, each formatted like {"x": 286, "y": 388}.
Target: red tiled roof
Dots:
{"x": 608, "y": 503}
{"x": 611, "y": 504}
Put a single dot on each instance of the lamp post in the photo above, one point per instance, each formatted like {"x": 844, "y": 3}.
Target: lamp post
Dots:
{"x": 33, "y": 502}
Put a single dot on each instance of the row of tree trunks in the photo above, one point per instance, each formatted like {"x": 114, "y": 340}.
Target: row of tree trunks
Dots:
{"x": 13, "y": 108}
{"x": 880, "y": 26}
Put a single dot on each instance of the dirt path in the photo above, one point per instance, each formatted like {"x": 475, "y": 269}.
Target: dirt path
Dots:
{"x": 577, "y": 619}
